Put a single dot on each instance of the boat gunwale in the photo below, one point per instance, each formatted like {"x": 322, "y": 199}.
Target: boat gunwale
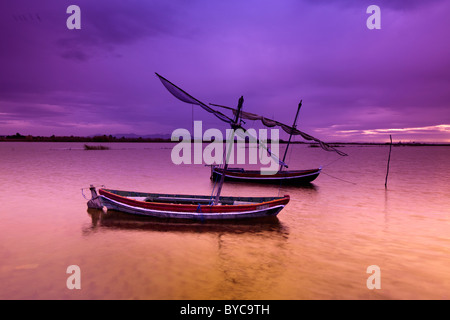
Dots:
{"x": 205, "y": 208}
{"x": 225, "y": 215}
{"x": 249, "y": 174}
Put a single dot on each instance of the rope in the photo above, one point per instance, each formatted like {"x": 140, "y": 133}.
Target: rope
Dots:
{"x": 326, "y": 165}
{"x": 82, "y": 193}
{"x": 339, "y": 178}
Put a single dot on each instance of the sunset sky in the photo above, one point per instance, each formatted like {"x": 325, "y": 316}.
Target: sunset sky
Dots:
{"x": 356, "y": 84}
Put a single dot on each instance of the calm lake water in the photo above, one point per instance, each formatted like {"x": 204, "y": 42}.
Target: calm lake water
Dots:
{"x": 319, "y": 247}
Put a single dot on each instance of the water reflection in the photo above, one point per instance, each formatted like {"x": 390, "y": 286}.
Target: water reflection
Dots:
{"x": 386, "y": 208}
{"x": 285, "y": 186}
{"x": 251, "y": 265}
{"x": 240, "y": 259}
{"x": 318, "y": 249}
{"x": 118, "y": 220}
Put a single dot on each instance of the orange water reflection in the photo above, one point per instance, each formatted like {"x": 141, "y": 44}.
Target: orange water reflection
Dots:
{"x": 319, "y": 246}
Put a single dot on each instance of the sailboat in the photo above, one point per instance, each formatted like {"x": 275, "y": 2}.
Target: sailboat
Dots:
{"x": 283, "y": 176}
{"x": 191, "y": 207}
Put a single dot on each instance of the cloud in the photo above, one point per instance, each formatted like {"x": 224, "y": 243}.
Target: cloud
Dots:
{"x": 19, "y": 110}
{"x": 105, "y": 26}
{"x": 273, "y": 53}
{"x": 74, "y": 54}
{"x": 426, "y": 134}
{"x": 390, "y": 4}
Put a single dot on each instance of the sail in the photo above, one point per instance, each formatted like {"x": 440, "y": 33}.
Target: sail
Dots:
{"x": 186, "y": 97}
{"x": 286, "y": 128}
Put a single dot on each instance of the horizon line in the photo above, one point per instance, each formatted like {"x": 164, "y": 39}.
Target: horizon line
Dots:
{"x": 105, "y": 138}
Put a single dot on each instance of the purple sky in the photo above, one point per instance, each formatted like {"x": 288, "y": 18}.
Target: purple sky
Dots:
{"x": 356, "y": 84}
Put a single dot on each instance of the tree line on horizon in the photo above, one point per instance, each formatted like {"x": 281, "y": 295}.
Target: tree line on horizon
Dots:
{"x": 97, "y": 138}
{"x": 110, "y": 138}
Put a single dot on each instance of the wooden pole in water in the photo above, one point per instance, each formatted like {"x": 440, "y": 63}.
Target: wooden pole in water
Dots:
{"x": 389, "y": 159}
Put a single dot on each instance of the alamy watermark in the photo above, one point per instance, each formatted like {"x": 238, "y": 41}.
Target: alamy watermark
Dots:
{"x": 374, "y": 20}
{"x": 74, "y": 20}
{"x": 374, "y": 280}
{"x": 74, "y": 280}
{"x": 261, "y": 149}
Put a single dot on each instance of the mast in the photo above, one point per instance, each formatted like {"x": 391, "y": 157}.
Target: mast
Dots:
{"x": 234, "y": 126}
{"x": 290, "y": 136}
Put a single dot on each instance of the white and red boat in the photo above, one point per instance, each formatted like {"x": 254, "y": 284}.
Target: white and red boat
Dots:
{"x": 193, "y": 207}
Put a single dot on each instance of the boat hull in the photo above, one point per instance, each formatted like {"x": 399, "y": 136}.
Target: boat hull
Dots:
{"x": 296, "y": 177}
{"x": 190, "y": 207}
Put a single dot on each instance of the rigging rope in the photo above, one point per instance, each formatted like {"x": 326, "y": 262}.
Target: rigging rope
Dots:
{"x": 354, "y": 183}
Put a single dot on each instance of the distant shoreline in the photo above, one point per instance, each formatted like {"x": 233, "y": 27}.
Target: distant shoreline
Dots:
{"x": 97, "y": 139}
{"x": 113, "y": 139}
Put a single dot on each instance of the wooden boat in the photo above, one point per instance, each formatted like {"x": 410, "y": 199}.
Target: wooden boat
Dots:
{"x": 283, "y": 176}
{"x": 88, "y": 147}
{"x": 291, "y": 177}
{"x": 193, "y": 207}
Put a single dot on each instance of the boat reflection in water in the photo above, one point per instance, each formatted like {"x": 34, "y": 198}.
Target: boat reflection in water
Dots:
{"x": 177, "y": 259}
{"x": 119, "y": 220}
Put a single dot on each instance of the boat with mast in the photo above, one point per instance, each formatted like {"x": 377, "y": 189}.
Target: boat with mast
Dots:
{"x": 191, "y": 207}
{"x": 283, "y": 176}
